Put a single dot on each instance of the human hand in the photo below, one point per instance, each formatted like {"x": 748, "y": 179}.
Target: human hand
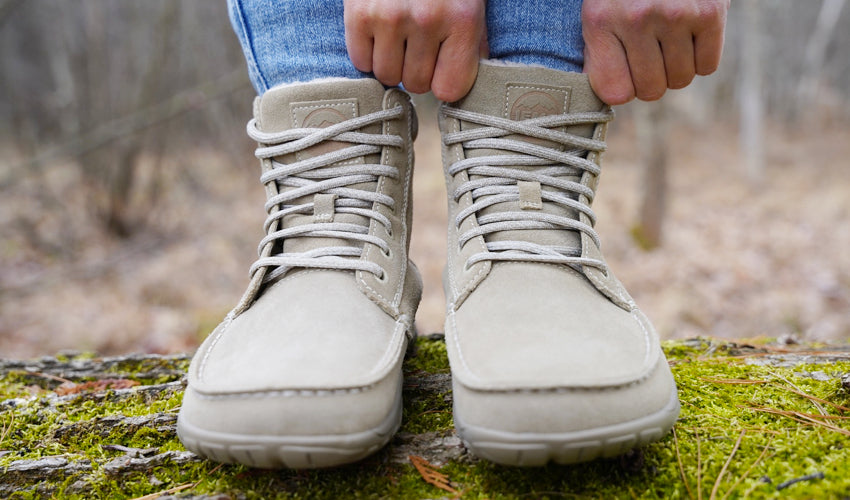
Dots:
{"x": 640, "y": 48}
{"x": 424, "y": 44}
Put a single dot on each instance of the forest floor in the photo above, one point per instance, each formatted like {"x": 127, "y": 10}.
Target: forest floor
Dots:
{"x": 761, "y": 420}
{"x": 737, "y": 260}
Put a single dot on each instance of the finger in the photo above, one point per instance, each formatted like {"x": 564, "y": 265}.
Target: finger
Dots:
{"x": 607, "y": 68}
{"x": 677, "y": 49}
{"x": 646, "y": 65}
{"x": 456, "y": 67}
{"x": 358, "y": 40}
{"x": 388, "y": 57}
{"x": 420, "y": 56}
{"x": 708, "y": 47}
{"x": 359, "y": 47}
{"x": 484, "y": 47}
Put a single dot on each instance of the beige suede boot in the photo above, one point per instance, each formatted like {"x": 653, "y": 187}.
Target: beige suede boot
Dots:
{"x": 551, "y": 358}
{"x": 306, "y": 370}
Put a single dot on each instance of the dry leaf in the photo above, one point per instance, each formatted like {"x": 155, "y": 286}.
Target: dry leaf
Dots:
{"x": 431, "y": 475}
{"x": 94, "y": 386}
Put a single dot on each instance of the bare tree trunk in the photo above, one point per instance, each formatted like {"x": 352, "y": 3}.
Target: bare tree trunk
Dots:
{"x": 652, "y": 135}
{"x": 830, "y": 12}
{"x": 752, "y": 105}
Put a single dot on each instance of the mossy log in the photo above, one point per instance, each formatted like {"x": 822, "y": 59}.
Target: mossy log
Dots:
{"x": 758, "y": 420}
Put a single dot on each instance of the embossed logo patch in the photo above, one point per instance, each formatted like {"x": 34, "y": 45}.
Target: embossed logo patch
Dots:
{"x": 534, "y": 104}
{"x": 323, "y": 114}
{"x": 323, "y": 117}
{"x": 524, "y": 102}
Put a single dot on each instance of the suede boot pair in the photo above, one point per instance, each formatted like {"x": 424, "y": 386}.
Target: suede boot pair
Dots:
{"x": 551, "y": 359}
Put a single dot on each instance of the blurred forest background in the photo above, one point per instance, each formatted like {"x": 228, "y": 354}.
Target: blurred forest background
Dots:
{"x": 130, "y": 206}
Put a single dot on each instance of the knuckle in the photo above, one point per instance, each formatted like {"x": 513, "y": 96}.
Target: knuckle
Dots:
{"x": 641, "y": 13}
{"x": 389, "y": 15}
{"x": 467, "y": 14}
{"x": 598, "y": 16}
{"x": 711, "y": 12}
{"x": 426, "y": 17}
{"x": 675, "y": 13}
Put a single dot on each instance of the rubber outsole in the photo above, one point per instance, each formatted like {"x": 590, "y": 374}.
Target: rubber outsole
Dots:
{"x": 294, "y": 452}
{"x": 537, "y": 449}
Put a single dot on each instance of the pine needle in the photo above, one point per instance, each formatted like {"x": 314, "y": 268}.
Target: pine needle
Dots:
{"x": 760, "y": 430}
{"x": 815, "y": 401}
{"x": 431, "y": 475}
{"x": 735, "y": 381}
{"x": 749, "y": 469}
{"x": 814, "y": 398}
{"x": 681, "y": 467}
{"x": 7, "y": 429}
{"x": 803, "y": 418}
{"x": 726, "y": 465}
{"x": 699, "y": 468}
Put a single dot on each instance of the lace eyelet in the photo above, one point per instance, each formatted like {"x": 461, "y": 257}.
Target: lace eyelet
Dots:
{"x": 389, "y": 231}
{"x": 388, "y": 253}
{"x": 383, "y": 277}
{"x": 466, "y": 267}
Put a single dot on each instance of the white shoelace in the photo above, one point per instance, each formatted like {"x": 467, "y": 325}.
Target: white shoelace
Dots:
{"x": 497, "y": 182}
{"x": 320, "y": 175}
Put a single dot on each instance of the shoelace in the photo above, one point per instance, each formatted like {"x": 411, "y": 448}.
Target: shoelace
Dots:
{"x": 497, "y": 182}
{"x": 319, "y": 175}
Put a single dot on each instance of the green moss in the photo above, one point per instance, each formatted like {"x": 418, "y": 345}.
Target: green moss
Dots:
{"x": 718, "y": 415}
{"x": 427, "y": 414}
{"x": 429, "y": 355}
{"x": 685, "y": 349}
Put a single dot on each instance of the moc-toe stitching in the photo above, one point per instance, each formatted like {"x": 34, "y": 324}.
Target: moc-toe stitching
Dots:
{"x": 381, "y": 369}
{"x": 469, "y": 378}
{"x": 567, "y": 410}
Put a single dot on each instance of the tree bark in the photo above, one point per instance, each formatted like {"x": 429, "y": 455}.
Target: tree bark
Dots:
{"x": 652, "y": 135}
{"x": 752, "y": 105}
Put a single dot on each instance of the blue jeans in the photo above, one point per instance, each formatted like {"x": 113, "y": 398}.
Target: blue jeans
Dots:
{"x": 300, "y": 40}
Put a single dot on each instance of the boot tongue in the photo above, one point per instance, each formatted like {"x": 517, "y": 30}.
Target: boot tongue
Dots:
{"x": 320, "y": 105}
{"x": 521, "y": 93}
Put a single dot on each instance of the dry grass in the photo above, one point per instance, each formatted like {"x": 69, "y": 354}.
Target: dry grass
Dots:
{"x": 736, "y": 262}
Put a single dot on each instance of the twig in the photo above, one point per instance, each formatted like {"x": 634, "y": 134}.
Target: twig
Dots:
{"x": 807, "y": 477}
{"x": 51, "y": 377}
{"x": 726, "y": 465}
{"x": 681, "y": 467}
{"x": 169, "y": 491}
{"x": 751, "y": 467}
{"x": 175, "y": 489}
{"x": 748, "y": 493}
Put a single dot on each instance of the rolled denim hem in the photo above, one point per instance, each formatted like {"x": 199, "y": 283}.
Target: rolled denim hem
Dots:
{"x": 288, "y": 41}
